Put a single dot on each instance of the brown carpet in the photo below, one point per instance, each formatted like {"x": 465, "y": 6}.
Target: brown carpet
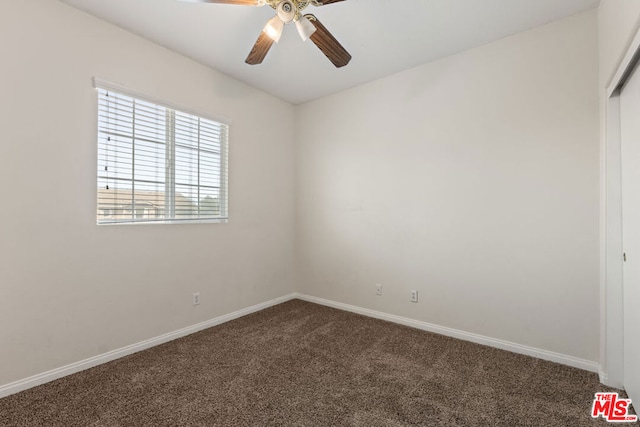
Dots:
{"x": 301, "y": 364}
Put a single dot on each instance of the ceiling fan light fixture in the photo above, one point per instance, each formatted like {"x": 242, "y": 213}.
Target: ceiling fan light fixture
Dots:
{"x": 274, "y": 28}
{"x": 308, "y": 26}
{"x": 305, "y": 28}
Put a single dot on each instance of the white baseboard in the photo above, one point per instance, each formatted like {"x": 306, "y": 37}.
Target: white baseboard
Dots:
{"x": 563, "y": 359}
{"x": 54, "y": 374}
{"x": 610, "y": 381}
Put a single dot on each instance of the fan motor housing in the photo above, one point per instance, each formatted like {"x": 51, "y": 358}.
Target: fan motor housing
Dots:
{"x": 286, "y": 11}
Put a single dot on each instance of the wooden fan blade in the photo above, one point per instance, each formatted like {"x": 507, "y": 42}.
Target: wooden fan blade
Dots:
{"x": 323, "y": 2}
{"x": 328, "y": 44}
{"x": 240, "y": 2}
{"x": 260, "y": 49}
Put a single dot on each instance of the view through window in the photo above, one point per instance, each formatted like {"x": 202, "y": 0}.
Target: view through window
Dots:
{"x": 157, "y": 164}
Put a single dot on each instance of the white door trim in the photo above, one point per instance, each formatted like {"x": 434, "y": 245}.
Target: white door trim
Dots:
{"x": 611, "y": 290}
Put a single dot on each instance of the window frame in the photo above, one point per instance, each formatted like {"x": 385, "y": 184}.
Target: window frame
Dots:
{"x": 224, "y": 157}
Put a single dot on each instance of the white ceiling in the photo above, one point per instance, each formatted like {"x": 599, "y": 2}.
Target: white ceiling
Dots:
{"x": 383, "y": 36}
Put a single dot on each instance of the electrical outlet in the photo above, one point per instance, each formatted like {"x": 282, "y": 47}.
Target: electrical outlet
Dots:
{"x": 378, "y": 289}
{"x": 413, "y": 296}
{"x": 195, "y": 298}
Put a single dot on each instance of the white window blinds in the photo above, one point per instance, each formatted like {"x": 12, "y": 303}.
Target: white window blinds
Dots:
{"x": 157, "y": 164}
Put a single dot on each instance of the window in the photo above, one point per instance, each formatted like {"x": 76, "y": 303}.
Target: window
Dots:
{"x": 158, "y": 164}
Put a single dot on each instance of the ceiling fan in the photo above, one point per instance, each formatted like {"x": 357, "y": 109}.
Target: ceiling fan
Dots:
{"x": 308, "y": 27}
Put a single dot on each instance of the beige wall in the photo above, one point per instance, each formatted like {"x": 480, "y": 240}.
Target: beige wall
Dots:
{"x": 474, "y": 180}
{"x": 69, "y": 289}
